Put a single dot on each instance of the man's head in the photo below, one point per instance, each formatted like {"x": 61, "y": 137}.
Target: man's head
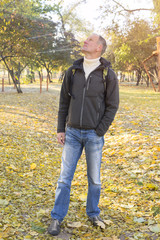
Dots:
{"x": 94, "y": 46}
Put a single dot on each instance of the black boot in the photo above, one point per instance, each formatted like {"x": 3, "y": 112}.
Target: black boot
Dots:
{"x": 54, "y": 228}
{"x": 97, "y": 221}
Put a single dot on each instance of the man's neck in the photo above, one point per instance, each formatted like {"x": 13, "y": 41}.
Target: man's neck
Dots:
{"x": 90, "y": 64}
{"x": 91, "y": 60}
{"x": 91, "y": 56}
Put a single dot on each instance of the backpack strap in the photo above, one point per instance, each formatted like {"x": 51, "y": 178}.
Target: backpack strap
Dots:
{"x": 70, "y": 81}
{"x": 105, "y": 77}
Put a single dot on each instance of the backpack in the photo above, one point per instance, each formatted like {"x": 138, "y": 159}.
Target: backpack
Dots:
{"x": 71, "y": 78}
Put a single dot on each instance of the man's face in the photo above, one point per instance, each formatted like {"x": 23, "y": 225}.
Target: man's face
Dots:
{"x": 91, "y": 44}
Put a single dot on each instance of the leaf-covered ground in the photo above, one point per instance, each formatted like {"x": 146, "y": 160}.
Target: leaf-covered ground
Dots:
{"x": 30, "y": 166}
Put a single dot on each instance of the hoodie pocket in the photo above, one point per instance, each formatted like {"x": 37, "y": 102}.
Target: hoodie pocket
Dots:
{"x": 91, "y": 112}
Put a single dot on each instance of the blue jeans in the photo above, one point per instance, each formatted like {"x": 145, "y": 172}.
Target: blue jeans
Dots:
{"x": 76, "y": 140}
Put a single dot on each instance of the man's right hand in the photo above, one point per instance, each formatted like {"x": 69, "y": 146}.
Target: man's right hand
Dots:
{"x": 61, "y": 138}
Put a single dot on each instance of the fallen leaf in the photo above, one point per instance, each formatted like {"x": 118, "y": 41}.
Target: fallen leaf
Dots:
{"x": 115, "y": 238}
{"x": 33, "y": 166}
{"x": 139, "y": 220}
{"x": 101, "y": 224}
{"x": 152, "y": 187}
{"x": 83, "y": 197}
{"x": 74, "y": 224}
{"x": 4, "y": 202}
{"x": 108, "y": 222}
{"x": 155, "y": 228}
{"x": 41, "y": 212}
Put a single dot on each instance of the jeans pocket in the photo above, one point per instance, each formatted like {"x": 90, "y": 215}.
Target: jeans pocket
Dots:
{"x": 97, "y": 134}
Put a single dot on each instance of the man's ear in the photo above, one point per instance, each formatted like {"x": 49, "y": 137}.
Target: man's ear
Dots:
{"x": 99, "y": 48}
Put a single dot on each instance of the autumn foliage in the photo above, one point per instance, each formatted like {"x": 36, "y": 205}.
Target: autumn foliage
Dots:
{"x": 30, "y": 166}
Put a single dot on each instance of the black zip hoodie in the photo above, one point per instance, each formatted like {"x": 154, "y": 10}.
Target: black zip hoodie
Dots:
{"x": 88, "y": 103}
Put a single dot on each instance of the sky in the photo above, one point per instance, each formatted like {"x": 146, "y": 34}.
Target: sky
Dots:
{"x": 89, "y": 10}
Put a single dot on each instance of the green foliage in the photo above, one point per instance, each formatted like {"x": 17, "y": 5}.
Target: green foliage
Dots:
{"x": 123, "y": 56}
{"x": 130, "y": 30}
{"x": 133, "y": 45}
{"x": 157, "y": 10}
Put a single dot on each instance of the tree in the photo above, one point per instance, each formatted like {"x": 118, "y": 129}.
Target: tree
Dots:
{"x": 42, "y": 38}
{"x": 131, "y": 51}
{"x": 13, "y": 45}
{"x": 132, "y": 46}
{"x": 69, "y": 20}
{"x": 16, "y": 25}
{"x": 118, "y": 12}
{"x": 66, "y": 46}
{"x": 29, "y": 38}
{"x": 157, "y": 10}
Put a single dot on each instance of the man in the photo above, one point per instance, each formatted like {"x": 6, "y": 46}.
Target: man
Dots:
{"x": 87, "y": 107}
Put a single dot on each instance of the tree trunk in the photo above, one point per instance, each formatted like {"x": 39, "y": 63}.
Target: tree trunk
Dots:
{"x": 138, "y": 77}
{"x": 158, "y": 59}
{"x": 40, "y": 75}
{"x": 9, "y": 80}
{"x": 147, "y": 81}
{"x": 16, "y": 82}
{"x": 49, "y": 75}
{"x": 33, "y": 76}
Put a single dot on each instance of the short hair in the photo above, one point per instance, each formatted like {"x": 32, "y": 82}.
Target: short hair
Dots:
{"x": 104, "y": 44}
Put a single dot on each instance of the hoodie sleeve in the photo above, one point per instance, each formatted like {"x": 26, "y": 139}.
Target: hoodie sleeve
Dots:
{"x": 111, "y": 103}
{"x": 64, "y": 102}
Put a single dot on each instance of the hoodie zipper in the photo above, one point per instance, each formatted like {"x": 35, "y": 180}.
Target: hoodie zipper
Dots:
{"x": 81, "y": 116}
{"x": 88, "y": 82}
{"x": 86, "y": 86}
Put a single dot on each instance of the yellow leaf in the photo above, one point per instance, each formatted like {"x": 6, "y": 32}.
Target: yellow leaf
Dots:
{"x": 108, "y": 222}
{"x": 76, "y": 183}
{"x": 13, "y": 167}
{"x": 115, "y": 238}
{"x": 151, "y": 186}
{"x": 49, "y": 184}
{"x": 87, "y": 235}
{"x": 41, "y": 213}
{"x": 74, "y": 224}
{"x": 83, "y": 197}
{"x": 155, "y": 228}
{"x": 100, "y": 224}
{"x": 157, "y": 179}
{"x": 33, "y": 166}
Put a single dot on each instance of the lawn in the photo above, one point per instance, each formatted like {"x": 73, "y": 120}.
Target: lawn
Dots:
{"x": 30, "y": 166}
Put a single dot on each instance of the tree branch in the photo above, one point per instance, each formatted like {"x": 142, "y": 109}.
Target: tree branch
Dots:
{"x": 132, "y": 10}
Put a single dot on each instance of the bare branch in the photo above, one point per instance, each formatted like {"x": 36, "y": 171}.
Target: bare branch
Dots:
{"x": 132, "y": 10}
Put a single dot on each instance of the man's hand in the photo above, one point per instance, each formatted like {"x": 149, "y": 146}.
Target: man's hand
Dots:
{"x": 61, "y": 138}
